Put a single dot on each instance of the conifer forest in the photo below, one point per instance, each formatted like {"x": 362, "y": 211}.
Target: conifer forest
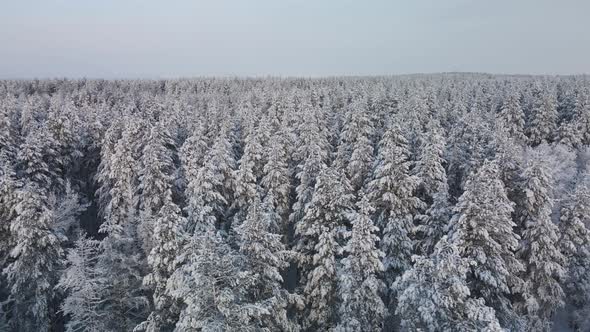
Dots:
{"x": 439, "y": 202}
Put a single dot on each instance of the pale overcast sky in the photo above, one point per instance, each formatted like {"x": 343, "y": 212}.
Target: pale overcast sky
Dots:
{"x": 152, "y": 39}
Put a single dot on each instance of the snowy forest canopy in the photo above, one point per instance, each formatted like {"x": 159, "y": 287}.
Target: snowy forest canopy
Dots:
{"x": 455, "y": 202}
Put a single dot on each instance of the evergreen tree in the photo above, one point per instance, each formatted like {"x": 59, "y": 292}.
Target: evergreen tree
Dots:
{"x": 265, "y": 256}
{"x": 575, "y": 245}
{"x": 541, "y": 291}
{"x": 247, "y": 175}
{"x": 511, "y": 116}
{"x": 84, "y": 285}
{"x": 434, "y": 222}
{"x": 312, "y": 154}
{"x": 318, "y": 249}
{"x": 434, "y": 295}
{"x": 38, "y": 160}
{"x": 430, "y": 165}
{"x": 211, "y": 281}
{"x": 8, "y": 200}
{"x": 125, "y": 299}
{"x": 392, "y": 191}
{"x": 542, "y": 124}
{"x": 210, "y": 193}
{"x": 355, "y": 151}
{"x": 360, "y": 289}
{"x": 168, "y": 241}
{"x": 276, "y": 184}
{"x": 156, "y": 180}
{"x": 37, "y": 232}
{"x": 482, "y": 229}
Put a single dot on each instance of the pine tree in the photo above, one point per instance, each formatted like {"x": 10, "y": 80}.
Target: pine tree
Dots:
{"x": 430, "y": 165}
{"x": 434, "y": 295}
{"x": 434, "y": 222}
{"x": 193, "y": 151}
{"x": 35, "y": 259}
{"x": 104, "y": 177}
{"x": 125, "y": 298}
{"x": 482, "y": 229}
{"x": 542, "y": 125}
{"x": 210, "y": 193}
{"x": 266, "y": 257}
{"x": 122, "y": 179}
{"x": 511, "y": 116}
{"x": 575, "y": 246}
{"x": 248, "y": 175}
{"x": 276, "y": 184}
{"x": 313, "y": 157}
{"x": 355, "y": 151}
{"x": 392, "y": 193}
{"x": 471, "y": 141}
{"x": 8, "y": 200}
{"x": 360, "y": 289}
{"x": 318, "y": 249}
{"x": 167, "y": 245}
{"x": 211, "y": 281}
{"x": 84, "y": 285}
{"x": 8, "y": 137}
{"x": 582, "y": 115}
{"x": 38, "y": 160}
{"x": 156, "y": 180}
{"x": 544, "y": 263}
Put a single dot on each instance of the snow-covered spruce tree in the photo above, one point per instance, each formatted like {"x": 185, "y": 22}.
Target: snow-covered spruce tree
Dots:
{"x": 471, "y": 141}
{"x": 103, "y": 178}
{"x": 210, "y": 193}
{"x": 167, "y": 245}
{"x": 35, "y": 258}
{"x": 192, "y": 152}
{"x": 509, "y": 157}
{"x": 119, "y": 176}
{"x": 32, "y": 112}
{"x": 412, "y": 118}
{"x": 434, "y": 222}
{"x": 8, "y": 186}
{"x": 156, "y": 179}
{"x": 121, "y": 255}
{"x": 247, "y": 175}
{"x": 318, "y": 248}
{"x": 192, "y": 157}
{"x": 574, "y": 118}
{"x": 276, "y": 183}
{"x": 582, "y": 115}
{"x": 63, "y": 122}
{"x": 575, "y": 245}
{"x": 355, "y": 150}
{"x": 211, "y": 280}
{"x": 38, "y": 231}
{"x": 511, "y": 116}
{"x": 8, "y": 201}
{"x": 434, "y": 295}
{"x": 312, "y": 155}
{"x": 8, "y": 137}
{"x": 38, "y": 161}
{"x": 482, "y": 229}
{"x": 430, "y": 168}
{"x": 361, "y": 307}
{"x": 569, "y": 132}
{"x": 542, "y": 123}
{"x": 544, "y": 263}
{"x": 84, "y": 285}
{"x": 265, "y": 257}
{"x": 392, "y": 193}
